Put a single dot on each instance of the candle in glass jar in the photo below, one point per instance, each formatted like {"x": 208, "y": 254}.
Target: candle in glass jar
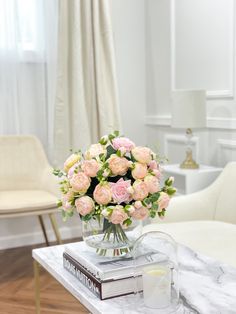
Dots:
{"x": 157, "y": 286}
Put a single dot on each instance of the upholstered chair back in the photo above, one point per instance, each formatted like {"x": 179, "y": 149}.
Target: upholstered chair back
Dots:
{"x": 225, "y": 187}
{"x": 22, "y": 161}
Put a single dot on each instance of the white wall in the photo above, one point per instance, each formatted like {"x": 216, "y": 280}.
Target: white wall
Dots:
{"x": 190, "y": 45}
{"x": 130, "y": 46}
{"x": 128, "y": 18}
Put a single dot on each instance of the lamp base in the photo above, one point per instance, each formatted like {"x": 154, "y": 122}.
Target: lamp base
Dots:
{"x": 189, "y": 163}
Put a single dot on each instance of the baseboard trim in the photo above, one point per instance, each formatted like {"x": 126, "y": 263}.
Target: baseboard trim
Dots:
{"x": 25, "y": 239}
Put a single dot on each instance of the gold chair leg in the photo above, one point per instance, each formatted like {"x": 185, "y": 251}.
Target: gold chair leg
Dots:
{"x": 43, "y": 229}
{"x": 55, "y": 228}
{"x": 36, "y": 286}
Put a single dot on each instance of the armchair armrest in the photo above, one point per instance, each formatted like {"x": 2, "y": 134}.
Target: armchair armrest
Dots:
{"x": 196, "y": 206}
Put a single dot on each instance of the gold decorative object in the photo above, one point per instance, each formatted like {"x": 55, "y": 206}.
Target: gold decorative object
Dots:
{"x": 189, "y": 163}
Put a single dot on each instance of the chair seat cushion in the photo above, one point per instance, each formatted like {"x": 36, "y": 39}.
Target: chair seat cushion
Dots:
{"x": 213, "y": 238}
{"x": 26, "y": 200}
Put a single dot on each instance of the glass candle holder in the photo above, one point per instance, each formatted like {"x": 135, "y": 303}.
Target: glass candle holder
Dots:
{"x": 156, "y": 285}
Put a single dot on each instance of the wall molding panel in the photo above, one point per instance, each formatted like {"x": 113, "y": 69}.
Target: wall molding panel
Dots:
{"x": 211, "y": 94}
{"x": 212, "y": 122}
{"x": 227, "y": 144}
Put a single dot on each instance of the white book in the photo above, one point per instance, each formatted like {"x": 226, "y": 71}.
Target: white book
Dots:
{"x": 108, "y": 268}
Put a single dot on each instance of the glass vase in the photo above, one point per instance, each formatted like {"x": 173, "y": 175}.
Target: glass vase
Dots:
{"x": 110, "y": 240}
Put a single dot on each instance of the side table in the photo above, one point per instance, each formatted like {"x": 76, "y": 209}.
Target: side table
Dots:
{"x": 191, "y": 180}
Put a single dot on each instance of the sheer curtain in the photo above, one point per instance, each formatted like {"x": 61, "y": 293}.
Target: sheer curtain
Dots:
{"x": 28, "y": 49}
{"x": 86, "y": 101}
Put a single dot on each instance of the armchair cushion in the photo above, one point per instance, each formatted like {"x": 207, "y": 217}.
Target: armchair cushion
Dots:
{"x": 19, "y": 201}
{"x": 213, "y": 238}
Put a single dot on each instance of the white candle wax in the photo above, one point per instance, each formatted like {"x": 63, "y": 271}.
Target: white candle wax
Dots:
{"x": 157, "y": 286}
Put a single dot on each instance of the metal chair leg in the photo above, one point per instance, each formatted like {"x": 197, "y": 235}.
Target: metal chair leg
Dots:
{"x": 36, "y": 286}
{"x": 55, "y": 228}
{"x": 43, "y": 229}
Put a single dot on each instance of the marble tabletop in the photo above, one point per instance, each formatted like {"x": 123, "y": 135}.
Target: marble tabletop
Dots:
{"x": 206, "y": 286}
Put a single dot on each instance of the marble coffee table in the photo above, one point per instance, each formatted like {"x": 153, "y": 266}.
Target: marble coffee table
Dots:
{"x": 206, "y": 286}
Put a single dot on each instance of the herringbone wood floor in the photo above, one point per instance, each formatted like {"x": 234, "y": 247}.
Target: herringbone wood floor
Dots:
{"x": 17, "y": 287}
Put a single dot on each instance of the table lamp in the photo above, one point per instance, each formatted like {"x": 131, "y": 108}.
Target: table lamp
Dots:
{"x": 188, "y": 112}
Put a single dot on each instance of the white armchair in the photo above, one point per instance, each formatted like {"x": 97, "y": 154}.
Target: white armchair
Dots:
{"x": 206, "y": 220}
{"x": 27, "y": 186}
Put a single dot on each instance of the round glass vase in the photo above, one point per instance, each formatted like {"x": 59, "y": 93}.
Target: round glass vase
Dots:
{"x": 110, "y": 240}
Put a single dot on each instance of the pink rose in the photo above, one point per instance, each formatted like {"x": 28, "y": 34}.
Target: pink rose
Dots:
{"x": 70, "y": 161}
{"x": 140, "y": 213}
{"x": 71, "y": 171}
{"x": 163, "y": 201}
{"x": 152, "y": 183}
{"x": 118, "y": 215}
{"x": 153, "y": 165}
{"x": 138, "y": 204}
{"x": 119, "y": 191}
{"x": 142, "y": 154}
{"x": 66, "y": 198}
{"x": 118, "y": 165}
{"x": 139, "y": 171}
{"x": 84, "y": 205}
{"x": 80, "y": 182}
{"x": 94, "y": 151}
{"x": 102, "y": 194}
{"x": 140, "y": 190}
{"x": 157, "y": 173}
{"x": 90, "y": 167}
{"x": 123, "y": 143}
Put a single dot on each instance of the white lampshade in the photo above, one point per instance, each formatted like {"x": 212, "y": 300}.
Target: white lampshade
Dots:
{"x": 188, "y": 109}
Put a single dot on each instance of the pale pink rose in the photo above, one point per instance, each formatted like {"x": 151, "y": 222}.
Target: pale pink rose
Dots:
{"x": 102, "y": 194}
{"x": 138, "y": 204}
{"x": 94, "y": 151}
{"x": 72, "y": 170}
{"x": 157, "y": 173}
{"x": 139, "y": 171}
{"x": 118, "y": 215}
{"x": 130, "y": 209}
{"x": 163, "y": 201}
{"x": 70, "y": 161}
{"x": 118, "y": 165}
{"x": 90, "y": 167}
{"x": 80, "y": 182}
{"x": 153, "y": 165}
{"x": 142, "y": 154}
{"x": 84, "y": 205}
{"x": 140, "y": 213}
{"x": 152, "y": 183}
{"x": 119, "y": 191}
{"x": 66, "y": 198}
{"x": 123, "y": 143}
{"x": 140, "y": 190}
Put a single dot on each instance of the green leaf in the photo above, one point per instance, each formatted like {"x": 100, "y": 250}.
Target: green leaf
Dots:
{"x": 127, "y": 222}
{"x": 116, "y": 133}
{"x": 86, "y": 217}
{"x": 110, "y": 151}
{"x": 171, "y": 191}
{"x": 59, "y": 203}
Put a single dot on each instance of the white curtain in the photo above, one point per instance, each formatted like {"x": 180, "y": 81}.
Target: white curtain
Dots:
{"x": 86, "y": 104}
{"x": 28, "y": 47}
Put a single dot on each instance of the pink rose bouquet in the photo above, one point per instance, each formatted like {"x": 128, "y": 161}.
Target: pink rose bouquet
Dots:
{"x": 114, "y": 180}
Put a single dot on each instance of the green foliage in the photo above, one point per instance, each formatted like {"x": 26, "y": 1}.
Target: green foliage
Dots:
{"x": 58, "y": 173}
{"x": 127, "y": 222}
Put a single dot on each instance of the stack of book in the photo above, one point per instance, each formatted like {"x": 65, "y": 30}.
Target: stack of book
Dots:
{"x": 105, "y": 277}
